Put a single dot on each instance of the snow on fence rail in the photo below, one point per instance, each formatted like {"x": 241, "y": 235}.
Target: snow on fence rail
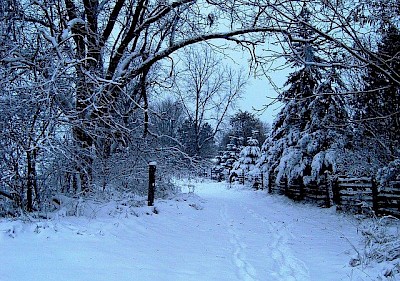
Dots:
{"x": 355, "y": 194}
{"x": 364, "y": 193}
{"x": 388, "y": 199}
{"x": 313, "y": 192}
{"x": 350, "y": 194}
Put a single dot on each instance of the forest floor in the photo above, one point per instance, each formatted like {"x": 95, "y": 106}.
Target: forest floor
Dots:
{"x": 214, "y": 233}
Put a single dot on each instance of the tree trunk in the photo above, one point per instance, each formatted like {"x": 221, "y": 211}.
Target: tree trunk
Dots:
{"x": 29, "y": 184}
{"x": 35, "y": 182}
{"x": 84, "y": 161}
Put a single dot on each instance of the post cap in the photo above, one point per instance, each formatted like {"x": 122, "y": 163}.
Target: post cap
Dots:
{"x": 153, "y": 163}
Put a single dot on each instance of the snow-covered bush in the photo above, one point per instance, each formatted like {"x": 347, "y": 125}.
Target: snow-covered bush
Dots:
{"x": 389, "y": 173}
{"x": 381, "y": 245}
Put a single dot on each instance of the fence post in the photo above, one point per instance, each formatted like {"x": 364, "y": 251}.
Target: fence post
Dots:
{"x": 269, "y": 184}
{"x": 152, "y": 183}
{"x": 334, "y": 182}
{"x": 286, "y": 191}
{"x": 328, "y": 190}
{"x": 375, "y": 203}
{"x": 302, "y": 188}
{"x": 262, "y": 180}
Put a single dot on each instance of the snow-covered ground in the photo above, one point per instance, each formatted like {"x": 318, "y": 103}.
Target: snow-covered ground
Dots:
{"x": 215, "y": 233}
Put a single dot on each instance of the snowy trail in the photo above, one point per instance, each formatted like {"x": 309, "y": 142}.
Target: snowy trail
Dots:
{"x": 227, "y": 234}
{"x": 245, "y": 269}
{"x": 288, "y": 267}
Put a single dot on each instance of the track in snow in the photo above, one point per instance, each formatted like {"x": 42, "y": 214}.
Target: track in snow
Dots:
{"x": 288, "y": 267}
{"x": 225, "y": 235}
{"x": 245, "y": 269}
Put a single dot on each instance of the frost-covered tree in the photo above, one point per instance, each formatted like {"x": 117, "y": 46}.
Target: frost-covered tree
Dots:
{"x": 246, "y": 163}
{"x": 327, "y": 133}
{"x": 230, "y": 155}
{"x": 282, "y": 157}
{"x": 28, "y": 113}
{"x": 377, "y": 109}
{"x": 168, "y": 117}
{"x": 206, "y": 90}
{"x": 308, "y": 134}
{"x": 96, "y": 64}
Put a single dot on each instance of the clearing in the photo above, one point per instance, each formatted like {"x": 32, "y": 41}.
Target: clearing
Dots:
{"x": 215, "y": 233}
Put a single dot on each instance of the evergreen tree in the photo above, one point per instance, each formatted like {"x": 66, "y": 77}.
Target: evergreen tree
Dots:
{"x": 305, "y": 140}
{"x": 378, "y": 107}
{"x": 248, "y": 157}
{"x": 243, "y": 124}
{"x": 197, "y": 142}
{"x": 327, "y": 132}
{"x": 281, "y": 155}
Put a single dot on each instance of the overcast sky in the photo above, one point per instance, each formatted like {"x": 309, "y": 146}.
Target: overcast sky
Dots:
{"x": 260, "y": 92}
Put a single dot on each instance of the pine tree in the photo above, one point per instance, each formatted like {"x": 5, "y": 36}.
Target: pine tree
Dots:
{"x": 197, "y": 142}
{"x": 307, "y": 134}
{"x": 281, "y": 155}
{"x": 243, "y": 123}
{"x": 379, "y": 105}
{"x": 225, "y": 161}
{"x": 248, "y": 157}
{"x": 327, "y": 132}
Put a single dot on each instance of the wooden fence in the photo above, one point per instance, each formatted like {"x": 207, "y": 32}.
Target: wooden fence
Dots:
{"x": 312, "y": 192}
{"x": 389, "y": 199}
{"x": 358, "y": 195}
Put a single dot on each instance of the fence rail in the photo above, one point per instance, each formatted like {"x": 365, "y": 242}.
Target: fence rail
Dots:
{"x": 351, "y": 194}
{"x": 356, "y": 194}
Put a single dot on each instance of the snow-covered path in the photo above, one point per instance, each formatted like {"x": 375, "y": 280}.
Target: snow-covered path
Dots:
{"x": 224, "y": 234}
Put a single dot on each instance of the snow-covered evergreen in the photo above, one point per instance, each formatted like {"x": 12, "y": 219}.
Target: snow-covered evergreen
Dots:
{"x": 246, "y": 163}
{"x": 309, "y": 132}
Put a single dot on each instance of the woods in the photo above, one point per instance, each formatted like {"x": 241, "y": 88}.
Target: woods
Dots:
{"x": 83, "y": 82}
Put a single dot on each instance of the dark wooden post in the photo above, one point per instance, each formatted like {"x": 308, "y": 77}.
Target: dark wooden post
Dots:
{"x": 328, "y": 190}
{"x": 152, "y": 183}
{"x": 286, "y": 190}
{"x": 335, "y": 190}
{"x": 269, "y": 184}
{"x": 375, "y": 203}
{"x": 262, "y": 180}
{"x": 302, "y": 189}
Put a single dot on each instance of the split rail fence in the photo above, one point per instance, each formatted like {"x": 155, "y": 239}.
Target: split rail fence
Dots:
{"x": 359, "y": 195}
{"x": 350, "y": 194}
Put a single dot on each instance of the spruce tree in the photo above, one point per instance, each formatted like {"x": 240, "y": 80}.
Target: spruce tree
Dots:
{"x": 248, "y": 157}
{"x": 307, "y": 135}
{"x": 281, "y": 146}
{"x": 379, "y": 105}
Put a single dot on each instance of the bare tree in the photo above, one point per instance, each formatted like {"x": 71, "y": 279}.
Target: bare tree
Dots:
{"x": 207, "y": 89}
{"x": 108, "y": 49}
